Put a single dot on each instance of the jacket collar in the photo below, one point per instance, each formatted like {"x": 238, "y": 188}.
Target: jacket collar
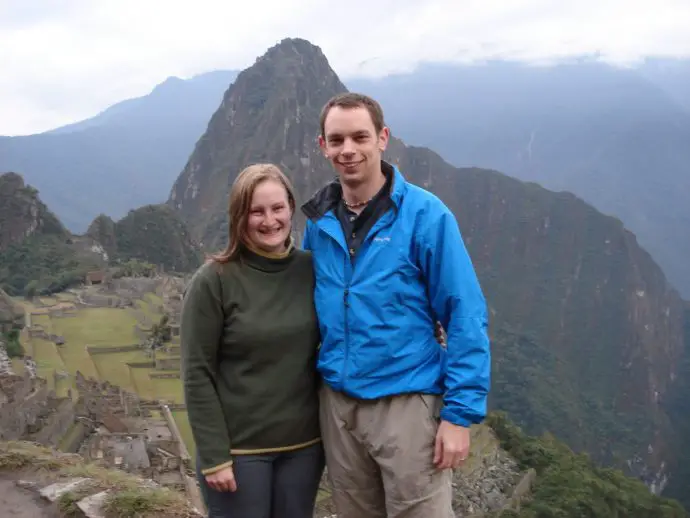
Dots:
{"x": 328, "y": 196}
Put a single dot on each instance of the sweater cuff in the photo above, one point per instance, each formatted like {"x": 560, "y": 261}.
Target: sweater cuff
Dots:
{"x": 215, "y": 469}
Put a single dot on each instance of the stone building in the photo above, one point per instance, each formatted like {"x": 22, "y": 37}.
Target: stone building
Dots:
{"x": 30, "y": 411}
{"x": 126, "y": 435}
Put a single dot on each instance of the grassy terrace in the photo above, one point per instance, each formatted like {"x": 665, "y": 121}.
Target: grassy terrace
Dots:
{"x": 102, "y": 328}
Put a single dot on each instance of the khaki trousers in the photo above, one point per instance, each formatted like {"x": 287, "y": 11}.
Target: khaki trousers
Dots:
{"x": 379, "y": 456}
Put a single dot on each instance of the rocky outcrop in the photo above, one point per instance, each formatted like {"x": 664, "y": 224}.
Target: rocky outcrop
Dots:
{"x": 153, "y": 234}
{"x": 157, "y": 235}
{"x": 11, "y": 314}
{"x": 79, "y": 488}
{"x": 22, "y": 214}
{"x": 102, "y": 230}
{"x": 37, "y": 254}
{"x": 6, "y": 368}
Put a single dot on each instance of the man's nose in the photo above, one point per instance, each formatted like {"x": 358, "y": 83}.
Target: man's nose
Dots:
{"x": 348, "y": 147}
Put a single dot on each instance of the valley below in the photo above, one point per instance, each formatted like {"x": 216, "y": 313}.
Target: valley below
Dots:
{"x": 102, "y": 333}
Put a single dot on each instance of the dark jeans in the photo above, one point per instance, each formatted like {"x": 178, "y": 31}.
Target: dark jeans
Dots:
{"x": 276, "y": 485}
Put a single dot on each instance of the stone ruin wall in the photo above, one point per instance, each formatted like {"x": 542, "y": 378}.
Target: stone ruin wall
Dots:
{"x": 29, "y": 411}
{"x": 27, "y": 406}
{"x": 5, "y": 361}
{"x": 56, "y": 424}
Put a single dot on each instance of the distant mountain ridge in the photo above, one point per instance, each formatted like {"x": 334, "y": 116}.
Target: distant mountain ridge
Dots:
{"x": 585, "y": 329}
{"x": 671, "y": 75}
{"x": 613, "y": 137}
{"x": 121, "y": 159}
{"x": 188, "y": 97}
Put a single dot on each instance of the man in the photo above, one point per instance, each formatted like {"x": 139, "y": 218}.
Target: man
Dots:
{"x": 389, "y": 262}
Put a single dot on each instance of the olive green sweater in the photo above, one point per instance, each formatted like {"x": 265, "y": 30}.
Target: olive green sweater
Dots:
{"x": 249, "y": 338}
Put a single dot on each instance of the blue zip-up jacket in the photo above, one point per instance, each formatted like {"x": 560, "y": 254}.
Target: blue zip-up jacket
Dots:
{"x": 377, "y": 312}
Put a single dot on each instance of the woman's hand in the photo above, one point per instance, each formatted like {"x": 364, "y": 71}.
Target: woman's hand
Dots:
{"x": 223, "y": 480}
{"x": 440, "y": 334}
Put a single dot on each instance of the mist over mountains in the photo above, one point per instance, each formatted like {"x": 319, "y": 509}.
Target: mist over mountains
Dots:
{"x": 120, "y": 159}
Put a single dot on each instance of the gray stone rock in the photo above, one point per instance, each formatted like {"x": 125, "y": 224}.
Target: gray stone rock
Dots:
{"x": 55, "y": 491}
{"x": 92, "y": 506}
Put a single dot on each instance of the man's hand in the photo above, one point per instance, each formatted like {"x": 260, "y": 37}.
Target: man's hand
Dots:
{"x": 223, "y": 480}
{"x": 452, "y": 445}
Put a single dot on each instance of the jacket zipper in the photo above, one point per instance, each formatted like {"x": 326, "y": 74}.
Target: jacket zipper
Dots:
{"x": 349, "y": 265}
{"x": 349, "y": 271}
{"x": 346, "y": 305}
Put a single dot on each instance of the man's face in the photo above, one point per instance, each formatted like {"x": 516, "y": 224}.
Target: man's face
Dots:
{"x": 352, "y": 144}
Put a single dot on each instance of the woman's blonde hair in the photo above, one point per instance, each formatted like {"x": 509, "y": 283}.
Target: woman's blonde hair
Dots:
{"x": 240, "y": 203}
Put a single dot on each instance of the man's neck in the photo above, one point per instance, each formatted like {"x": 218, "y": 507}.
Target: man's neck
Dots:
{"x": 363, "y": 193}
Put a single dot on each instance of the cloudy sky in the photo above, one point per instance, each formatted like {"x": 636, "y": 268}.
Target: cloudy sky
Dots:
{"x": 66, "y": 60}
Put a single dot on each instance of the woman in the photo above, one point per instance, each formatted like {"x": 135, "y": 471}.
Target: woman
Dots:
{"x": 249, "y": 342}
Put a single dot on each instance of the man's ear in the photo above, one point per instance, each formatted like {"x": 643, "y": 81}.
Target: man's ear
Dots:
{"x": 384, "y": 138}
{"x": 322, "y": 145}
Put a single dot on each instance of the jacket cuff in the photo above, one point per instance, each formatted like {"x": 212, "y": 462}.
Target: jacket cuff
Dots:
{"x": 447, "y": 415}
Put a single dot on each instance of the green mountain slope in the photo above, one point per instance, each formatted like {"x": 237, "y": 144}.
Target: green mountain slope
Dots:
{"x": 37, "y": 253}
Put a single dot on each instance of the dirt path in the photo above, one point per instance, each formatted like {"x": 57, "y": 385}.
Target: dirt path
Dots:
{"x": 16, "y": 502}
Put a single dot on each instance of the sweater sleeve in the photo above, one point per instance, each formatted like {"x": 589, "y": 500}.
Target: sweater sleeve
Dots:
{"x": 201, "y": 328}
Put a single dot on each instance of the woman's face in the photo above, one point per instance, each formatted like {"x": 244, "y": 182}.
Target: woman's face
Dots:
{"x": 268, "y": 224}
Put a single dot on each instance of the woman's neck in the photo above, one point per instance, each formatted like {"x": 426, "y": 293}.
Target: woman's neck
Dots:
{"x": 277, "y": 254}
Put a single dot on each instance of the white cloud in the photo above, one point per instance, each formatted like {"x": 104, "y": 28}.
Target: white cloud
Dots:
{"x": 63, "y": 61}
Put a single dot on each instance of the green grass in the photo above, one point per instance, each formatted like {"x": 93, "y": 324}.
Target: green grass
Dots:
{"x": 47, "y": 359}
{"x": 142, "y": 382}
{"x": 113, "y": 367}
{"x": 134, "y": 503}
{"x": 148, "y": 306}
{"x": 62, "y": 385}
{"x": 17, "y": 365}
{"x": 169, "y": 389}
{"x": 103, "y": 327}
{"x": 76, "y": 358}
{"x": 70, "y": 436}
{"x": 42, "y": 320}
{"x": 97, "y": 326}
{"x": 154, "y": 299}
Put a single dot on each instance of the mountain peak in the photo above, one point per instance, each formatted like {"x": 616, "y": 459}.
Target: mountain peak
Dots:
{"x": 292, "y": 63}
{"x": 293, "y": 48}
{"x": 270, "y": 113}
{"x": 11, "y": 180}
{"x": 170, "y": 82}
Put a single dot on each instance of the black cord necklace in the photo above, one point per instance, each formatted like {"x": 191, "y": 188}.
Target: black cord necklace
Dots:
{"x": 358, "y": 204}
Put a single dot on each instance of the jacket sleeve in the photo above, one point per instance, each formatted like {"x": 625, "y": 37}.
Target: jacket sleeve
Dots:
{"x": 201, "y": 327}
{"x": 306, "y": 245}
{"x": 458, "y": 303}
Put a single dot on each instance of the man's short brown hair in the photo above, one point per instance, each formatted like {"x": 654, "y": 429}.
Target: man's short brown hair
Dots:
{"x": 349, "y": 100}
